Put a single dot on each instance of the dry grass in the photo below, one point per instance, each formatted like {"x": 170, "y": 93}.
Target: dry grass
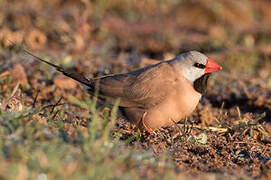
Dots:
{"x": 54, "y": 130}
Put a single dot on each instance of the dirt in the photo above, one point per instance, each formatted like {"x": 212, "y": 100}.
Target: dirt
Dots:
{"x": 234, "y": 114}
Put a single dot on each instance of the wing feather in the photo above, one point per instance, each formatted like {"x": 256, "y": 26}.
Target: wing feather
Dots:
{"x": 142, "y": 88}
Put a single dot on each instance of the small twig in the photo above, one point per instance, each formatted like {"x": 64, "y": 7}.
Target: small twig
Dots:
{"x": 213, "y": 129}
{"x": 239, "y": 113}
{"x": 175, "y": 123}
{"x": 260, "y": 117}
{"x": 179, "y": 128}
{"x": 56, "y": 105}
{"x": 35, "y": 99}
{"x": 38, "y": 110}
{"x": 190, "y": 129}
{"x": 55, "y": 114}
{"x": 184, "y": 127}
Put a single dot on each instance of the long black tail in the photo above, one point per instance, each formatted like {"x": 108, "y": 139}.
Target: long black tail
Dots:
{"x": 72, "y": 75}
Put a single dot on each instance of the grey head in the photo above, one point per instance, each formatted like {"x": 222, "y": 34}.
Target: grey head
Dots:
{"x": 192, "y": 64}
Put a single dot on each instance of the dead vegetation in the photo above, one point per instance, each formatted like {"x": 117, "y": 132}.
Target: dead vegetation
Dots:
{"x": 50, "y": 127}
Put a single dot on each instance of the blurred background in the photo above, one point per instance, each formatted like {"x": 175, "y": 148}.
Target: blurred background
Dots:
{"x": 236, "y": 31}
{"x": 95, "y": 37}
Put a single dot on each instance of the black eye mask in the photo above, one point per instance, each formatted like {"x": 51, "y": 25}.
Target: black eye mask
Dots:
{"x": 200, "y": 84}
{"x": 198, "y": 65}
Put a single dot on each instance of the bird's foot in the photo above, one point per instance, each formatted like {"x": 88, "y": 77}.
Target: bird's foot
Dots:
{"x": 142, "y": 124}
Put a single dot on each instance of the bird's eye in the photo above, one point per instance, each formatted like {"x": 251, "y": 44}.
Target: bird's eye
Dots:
{"x": 198, "y": 65}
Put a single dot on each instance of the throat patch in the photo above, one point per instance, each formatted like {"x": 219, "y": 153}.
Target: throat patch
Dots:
{"x": 200, "y": 84}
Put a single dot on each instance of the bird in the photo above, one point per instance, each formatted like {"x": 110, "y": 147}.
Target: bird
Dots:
{"x": 157, "y": 95}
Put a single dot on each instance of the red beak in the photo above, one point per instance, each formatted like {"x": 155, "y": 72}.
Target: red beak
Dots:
{"x": 211, "y": 66}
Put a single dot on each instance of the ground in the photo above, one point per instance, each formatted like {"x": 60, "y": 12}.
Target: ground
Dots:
{"x": 50, "y": 128}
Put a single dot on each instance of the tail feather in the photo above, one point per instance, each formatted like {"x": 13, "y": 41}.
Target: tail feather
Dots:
{"x": 108, "y": 88}
{"x": 73, "y": 75}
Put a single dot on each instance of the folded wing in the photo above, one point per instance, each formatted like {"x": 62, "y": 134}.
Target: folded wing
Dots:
{"x": 143, "y": 88}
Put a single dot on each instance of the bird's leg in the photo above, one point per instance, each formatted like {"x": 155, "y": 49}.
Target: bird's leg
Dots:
{"x": 141, "y": 122}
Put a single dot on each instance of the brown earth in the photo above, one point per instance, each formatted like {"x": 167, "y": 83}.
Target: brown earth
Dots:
{"x": 98, "y": 37}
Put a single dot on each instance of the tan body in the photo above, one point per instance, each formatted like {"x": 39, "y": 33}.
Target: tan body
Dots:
{"x": 180, "y": 103}
{"x": 160, "y": 91}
